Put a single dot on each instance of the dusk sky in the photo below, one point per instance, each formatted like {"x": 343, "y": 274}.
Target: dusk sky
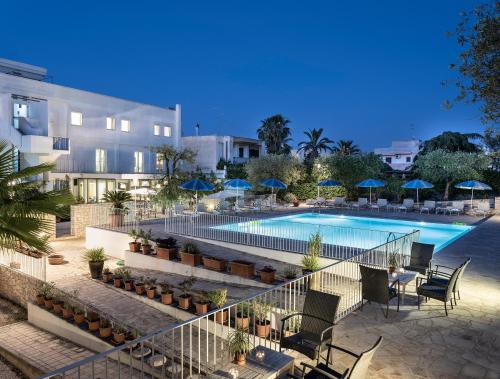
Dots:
{"x": 364, "y": 70}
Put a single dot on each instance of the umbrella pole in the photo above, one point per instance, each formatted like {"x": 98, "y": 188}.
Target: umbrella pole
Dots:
{"x": 417, "y": 196}
{"x": 471, "y": 198}
{"x": 317, "y": 197}
{"x": 370, "y": 195}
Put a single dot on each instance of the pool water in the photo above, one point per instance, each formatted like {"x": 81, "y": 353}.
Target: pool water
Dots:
{"x": 374, "y": 230}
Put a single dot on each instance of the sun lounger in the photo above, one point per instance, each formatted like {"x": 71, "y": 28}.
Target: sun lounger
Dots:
{"x": 482, "y": 209}
{"x": 456, "y": 207}
{"x": 337, "y": 202}
{"x": 429, "y": 206}
{"x": 178, "y": 209}
{"x": 407, "y": 205}
{"x": 381, "y": 203}
{"x": 362, "y": 203}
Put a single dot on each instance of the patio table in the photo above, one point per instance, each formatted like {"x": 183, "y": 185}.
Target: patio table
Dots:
{"x": 404, "y": 278}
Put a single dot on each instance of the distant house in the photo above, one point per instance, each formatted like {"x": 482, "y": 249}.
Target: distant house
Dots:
{"x": 401, "y": 154}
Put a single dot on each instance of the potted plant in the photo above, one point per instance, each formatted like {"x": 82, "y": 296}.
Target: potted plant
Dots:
{"x": 67, "y": 311}
{"x": 239, "y": 345}
{"x": 55, "y": 259}
{"x": 393, "y": 262}
{"x": 190, "y": 254}
{"x": 290, "y": 272}
{"x": 135, "y": 245}
{"x": 291, "y": 199}
{"x": 119, "y": 333}
{"x": 262, "y": 324}
{"x": 292, "y": 325}
{"x": 267, "y": 274}
{"x": 214, "y": 263}
{"x": 166, "y": 248}
{"x": 128, "y": 282}
{"x": 47, "y": 291}
{"x": 243, "y": 268}
{"x": 139, "y": 286}
{"x": 310, "y": 261}
{"x": 151, "y": 288}
{"x": 93, "y": 321}
{"x": 243, "y": 311}
{"x": 118, "y": 277}
{"x": 95, "y": 257}
{"x": 145, "y": 244}
{"x": 58, "y": 306}
{"x": 218, "y": 298}
{"x": 107, "y": 275}
{"x": 166, "y": 293}
{"x": 105, "y": 328}
{"x": 202, "y": 303}
{"x": 78, "y": 316}
{"x": 185, "y": 298}
{"x": 118, "y": 210}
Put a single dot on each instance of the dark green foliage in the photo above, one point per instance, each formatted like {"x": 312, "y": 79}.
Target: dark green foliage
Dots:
{"x": 275, "y": 133}
{"x": 309, "y": 190}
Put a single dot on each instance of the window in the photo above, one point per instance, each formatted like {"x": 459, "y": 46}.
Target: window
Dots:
{"x": 110, "y": 123}
{"x": 408, "y": 159}
{"x": 388, "y": 160}
{"x": 156, "y": 130}
{"x": 241, "y": 152}
{"x": 76, "y": 118}
{"x": 138, "y": 161}
{"x": 159, "y": 162}
{"x": 125, "y": 125}
{"x": 100, "y": 160}
{"x": 167, "y": 131}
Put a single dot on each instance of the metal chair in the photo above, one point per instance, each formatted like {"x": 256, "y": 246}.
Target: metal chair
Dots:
{"x": 375, "y": 287}
{"x": 441, "y": 278}
{"x": 358, "y": 371}
{"x": 316, "y": 324}
{"x": 420, "y": 257}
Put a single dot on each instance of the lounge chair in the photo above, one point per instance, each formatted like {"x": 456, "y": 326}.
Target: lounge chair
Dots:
{"x": 359, "y": 370}
{"x": 178, "y": 209}
{"x": 311, "y": 202}
{"x": 320, "y": 201}
{"x": 482, "y": 209}
{"x": 443, "y": 208}
{"x": 375, "y": 287}
{"x": 456, "y": 207}
{"x": 407, "y": 205}
{"x": 420, "y": 258}
{"x": 444, "y": 293}
{"x": 441, "y": 278}
{"x": 429, "y": 206}
{"x": 362, "y": 203}
{"x": 201, "y": 208}
{"x": 381, "y": 203}
{"x": 316, "y": 325}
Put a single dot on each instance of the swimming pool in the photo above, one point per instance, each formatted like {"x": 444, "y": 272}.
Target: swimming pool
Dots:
{"x": 364, "y": 232}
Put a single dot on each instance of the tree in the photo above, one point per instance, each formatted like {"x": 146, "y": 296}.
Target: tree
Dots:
{"x": 24, "y": 206}
{"x": 492, "y": 144}
{"x": 350, "y": 169}
{"x": 346, "y": 147}
{"x": 479, "y": 64}
{"x": 314, "y": 146}
{"x": 172, "y": 157}
{"x": 452, "y": 142}
{"x": 276, "y": 134}
{"x": 441, "y": 166}
{"x": 285, "y": 168}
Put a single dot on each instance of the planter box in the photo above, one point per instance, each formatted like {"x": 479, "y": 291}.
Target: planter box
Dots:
{"x": 267, "y": 276}
{"x": 166, "y": 253}
{"x": 116, "y": 220}
{"x": 243, "y": 268}
{"x": 213, "y": 263}
{"x": 191, "y": 259}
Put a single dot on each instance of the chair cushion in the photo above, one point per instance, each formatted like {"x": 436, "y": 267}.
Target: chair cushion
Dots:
{"x": 438, "y": 281}
{"x": 304, "y": 343}
{"x": 316, "y": 375}
{"x": 433, "y": 291}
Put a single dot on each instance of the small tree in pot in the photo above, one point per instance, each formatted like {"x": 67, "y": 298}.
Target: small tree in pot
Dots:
{"x": 95, "y": 257}
{"x": 135, "y": 245}
{"x": 118, "y": 277}
{"x": 78, "y": 316}
{"x": 145, "y": 244}
{"x": 58, "y": 306}
{"x": 139, "y": 286}
{"x": 393, "y": 262}
{"x": 262, "y": 324}
{"x": 190, "y": 254}
{"x": 151, "y": 288}
{"x": 117, "y": 200}
{"x": 119, "y": 333}
{"x": 105, "y": 328}
{"x": 166, "y": 248}
{"x": 166, "y": 293}
{"x": 239, "y": 345}
{"x": 107, "y": 275}
{"x": 45, "y": 293}
{"x": 127, "y": 280}
{"x": 310, "y": 261}
{"x": 185, "y": 298}
{"x": 218, "y": 298}
{"x": 93, "y": 321}
{"x": 243, "y": 311}
{"x": 202, "y": 303}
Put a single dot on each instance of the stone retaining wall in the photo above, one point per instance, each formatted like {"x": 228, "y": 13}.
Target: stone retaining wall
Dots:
{"x": 18, "y": 287}
{"x": 83, "y": 215}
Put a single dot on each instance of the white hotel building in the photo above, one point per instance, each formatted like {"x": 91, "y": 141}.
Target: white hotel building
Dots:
{"x": 401, "y": 154}
{"x": 97, "y": 142}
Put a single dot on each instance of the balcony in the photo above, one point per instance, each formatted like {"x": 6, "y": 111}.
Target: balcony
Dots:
{"x": 44, "y": 145}
{"x": 60, "y": 143}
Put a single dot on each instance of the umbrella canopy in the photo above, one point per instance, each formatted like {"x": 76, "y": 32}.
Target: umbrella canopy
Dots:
{"x": 237, "y": 184}
{"x": 273, "y": 183}
{"x": 142, "y": 191}
{"x": 370, "y": 183}
{"x": 197, "y": 185}
{"x": 329, "y": 183}
{"x": 473, "y": 185}
{"x": 224, "y": 195}
{"x": 417, "y": 184}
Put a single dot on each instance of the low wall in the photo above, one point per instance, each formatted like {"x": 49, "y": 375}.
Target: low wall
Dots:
{"x": 18, "y": 287}
{"x": 114, "y": 243}
{"x": 83, "y": 215}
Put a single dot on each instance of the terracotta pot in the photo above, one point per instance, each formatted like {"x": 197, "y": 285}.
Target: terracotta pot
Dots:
{"x": 93, "y": 325}
{"x": 267, "y": 276}
{"x": 221, "y": 317}
{"x": 139, "y": 288}
{"x": 240, "y": 359}
{"x": 67, "y": 313}
{"x": 184, "y": 302}
{"x": 191, "y": 259}
{"x": 263, "y": 330}
{"x": 166, "y": 253}
{"x": 151, "y": 292}
{"x": 392, "y": 269}
{"x": 55, "y": 259}
{"x": 48, "y": 304}
{"x": 79, "y": 318}
{"x": 116, "y": 220}
{"x": 214, "y": 263}
{"x": 117, "y": 282}
{"x": 242, "y": 322}
{"x": 105, "y": 332}
{"x": 58, "y": 307}
{"x": 119, "y": 337}
{"x": 296, "y": 204}
{"x": 96, "y": 269}
{"x": 129, "y": 285}
{"x": 134, "y": 247}
{"x": 107, "y": 277}
{"x": 40, "y": 300}
{"x": 146, "y": 249}
{"x": 167, "y": 298}
{"x": 201, "y": 308}
{"x": 243, "y": 268}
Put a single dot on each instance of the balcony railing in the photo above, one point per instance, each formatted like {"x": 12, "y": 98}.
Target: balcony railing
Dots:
{"x": 60, "y": 143}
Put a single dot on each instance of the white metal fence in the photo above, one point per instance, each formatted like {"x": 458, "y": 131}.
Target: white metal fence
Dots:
{"x": 199, "y": 346}
{"x": 36, "y": 267}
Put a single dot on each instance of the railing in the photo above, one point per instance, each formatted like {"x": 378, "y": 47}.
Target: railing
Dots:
{"x": 199, "y": 345}
{"x": 36, "y": 267}
{"x": 60, "y": 143}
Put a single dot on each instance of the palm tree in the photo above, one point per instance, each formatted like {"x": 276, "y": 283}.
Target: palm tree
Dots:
{"x": 346, "y": 147}
{"x": 23, "y": 206}
{"x": 276, "y": 134}
{"x": 314, "y": 146}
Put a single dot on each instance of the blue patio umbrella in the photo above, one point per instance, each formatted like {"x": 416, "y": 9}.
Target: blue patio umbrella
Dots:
{"x": 370, "y": 183}
{"x": 473, "y": 185}
{"x": 417, "y": 184}
{"x": 197, "y": 185}
{"x": 237, "y": 184}
{"x": 273, "y": 183}
{"x": 328, "y": 183}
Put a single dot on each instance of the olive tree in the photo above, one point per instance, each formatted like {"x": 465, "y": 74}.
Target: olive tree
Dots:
{"x": 283, "y": 167}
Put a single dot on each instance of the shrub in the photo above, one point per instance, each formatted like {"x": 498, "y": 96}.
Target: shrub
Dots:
{"x": 290, "y": 198}
{"x": 283, "y": 167}
{"x": 218, "y": 297}
{"x": 309, "y": 190}
{"x": 190, "y": 248}
{"x": 310, "y": 261}
{"x": 94, "y": 255}
{"x": 260, "y": 310}
{"x": 166, "y": 243}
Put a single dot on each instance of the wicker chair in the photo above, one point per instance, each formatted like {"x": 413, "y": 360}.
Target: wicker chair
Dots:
{"x": 375, "y": 287}
{"x": 323, "y": 370}
{"x": 420, "y": 258}
{"x": 316, "y": 324}
{"x": 441, "y": 278}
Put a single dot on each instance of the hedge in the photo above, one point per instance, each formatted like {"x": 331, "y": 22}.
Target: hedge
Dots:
{"x": 305, "y": 191}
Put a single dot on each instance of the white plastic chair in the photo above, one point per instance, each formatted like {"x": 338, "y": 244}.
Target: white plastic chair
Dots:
{"x": 407, "y": 205}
